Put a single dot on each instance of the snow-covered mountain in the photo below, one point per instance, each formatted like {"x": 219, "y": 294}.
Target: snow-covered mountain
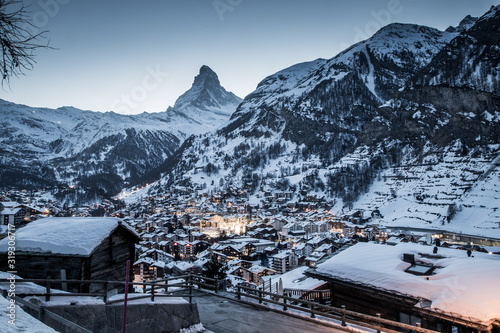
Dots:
{"x": 207, "y": 103}
{"x": 316, "y": 109}
{"x": 42, "y": 147}
{"x": 332, "y": 128}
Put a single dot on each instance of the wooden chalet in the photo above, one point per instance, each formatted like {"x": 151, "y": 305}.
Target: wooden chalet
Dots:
{"x": 73, "y": 248}
{"x": 147, "y": 269}
{"x": 15, "y": 214}
{"x": 447, "y": 292}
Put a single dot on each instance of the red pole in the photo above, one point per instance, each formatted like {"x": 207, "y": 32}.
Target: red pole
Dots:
{"x": 124, "y": 326}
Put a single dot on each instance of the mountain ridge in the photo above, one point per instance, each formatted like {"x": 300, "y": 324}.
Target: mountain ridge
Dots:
{"x": 70, "y": 145}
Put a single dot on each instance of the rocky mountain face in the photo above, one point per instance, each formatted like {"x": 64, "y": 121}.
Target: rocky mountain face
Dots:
{"x": 101, "y": 152}
{"x": 470, "y": 60}
{"x": 410, "y": 95}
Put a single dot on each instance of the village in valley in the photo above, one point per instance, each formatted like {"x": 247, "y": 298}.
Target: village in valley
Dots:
{"x": 178, "y": 231}
{"x": 277, "y": 245}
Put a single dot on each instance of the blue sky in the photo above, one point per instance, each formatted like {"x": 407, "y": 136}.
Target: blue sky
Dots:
{"x": 132, "y": 56}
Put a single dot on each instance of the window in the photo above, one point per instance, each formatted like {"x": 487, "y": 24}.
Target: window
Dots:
{"x": 418, "y": 269}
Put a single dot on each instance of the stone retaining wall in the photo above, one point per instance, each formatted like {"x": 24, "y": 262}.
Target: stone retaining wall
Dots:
{"x": 147, "y": 317}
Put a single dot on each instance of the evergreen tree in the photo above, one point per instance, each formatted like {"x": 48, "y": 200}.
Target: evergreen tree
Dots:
{"x": 215, "y": 268}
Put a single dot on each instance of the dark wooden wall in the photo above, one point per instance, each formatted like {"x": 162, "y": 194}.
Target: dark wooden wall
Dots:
{"x": 37, "y": 266}
{"x": 371, "y": 301}
{"x": 107, "y": 262}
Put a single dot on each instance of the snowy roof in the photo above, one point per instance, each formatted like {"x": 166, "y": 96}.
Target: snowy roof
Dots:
{"x": 144, "y": 260}
{"x": 65, "y": 235}
{"x": 324, "y": 247}
{"x": 295, "y": 279}
{"x": 281, "y": 255}
{"x": 460, "y": 285}
{"x": 9, "y": 204}
{"x": 10, "y": 211}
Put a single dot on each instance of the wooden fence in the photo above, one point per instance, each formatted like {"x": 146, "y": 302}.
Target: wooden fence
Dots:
{"x": 287, "y": 301}
{"x": 156, "y": 288}
{"x": 291, "y": 299}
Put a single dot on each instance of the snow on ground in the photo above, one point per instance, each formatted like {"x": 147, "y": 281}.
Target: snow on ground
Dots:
{"x": 137, "y": 298}
{"x": 467, "y": 286}
{"x": 193, "y": 329}
{"x": 22, "y": 287}
{"x": 23, "y": 322}
{"x": 134, "y": 195}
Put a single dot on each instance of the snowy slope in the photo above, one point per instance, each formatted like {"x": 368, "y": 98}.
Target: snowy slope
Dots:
{"x": 447, "y": 190}
{"x": 24, "y": 322}
{"x": 382, "y": 63}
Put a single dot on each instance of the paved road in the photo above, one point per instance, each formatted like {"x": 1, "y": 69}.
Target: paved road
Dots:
{"x": 221, "y": 315}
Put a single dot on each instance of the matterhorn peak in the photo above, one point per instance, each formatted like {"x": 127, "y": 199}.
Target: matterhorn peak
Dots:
{"x": 206, "y": 76}
{"x": 206, "y": 102}
{"x": 207, "y": 71}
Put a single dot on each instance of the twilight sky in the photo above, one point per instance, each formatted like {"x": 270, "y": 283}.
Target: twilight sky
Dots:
{"x": 132, "y": 56}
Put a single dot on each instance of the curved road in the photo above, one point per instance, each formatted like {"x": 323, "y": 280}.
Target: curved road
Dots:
{"x": 221, "y": 315}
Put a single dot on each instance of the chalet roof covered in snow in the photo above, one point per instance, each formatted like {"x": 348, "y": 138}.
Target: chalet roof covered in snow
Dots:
{"x": 467, "y": 286}
{"x": 295, "y": 279}
{"x": 65, "y": 235}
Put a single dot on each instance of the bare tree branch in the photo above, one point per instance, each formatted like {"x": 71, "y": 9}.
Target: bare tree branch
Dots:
{"x": 19, "y": 38}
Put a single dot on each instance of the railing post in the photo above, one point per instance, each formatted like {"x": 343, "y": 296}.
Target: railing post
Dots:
{"x": 312, "y": 309}
{"x": 166, "y": 286}
{"x": 41, "y": 314}
{"x": 378, "y": 323}
{"x": 217, "y": 285}
{"x": 342, "y": 310}
{"x": 238, "y": 294}
{"x": 144, "y": 286}
{"x": 284, "y": 303}
{"x": 106, "y": 291}
{"x": 190, "y": 288}
{"x": 260, "y": 296}
{"x": 47, "y": 296}
{"x": 153, "y": 292}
